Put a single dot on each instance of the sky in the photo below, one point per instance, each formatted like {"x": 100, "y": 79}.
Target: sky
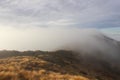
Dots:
{"x": 25, "y": 24}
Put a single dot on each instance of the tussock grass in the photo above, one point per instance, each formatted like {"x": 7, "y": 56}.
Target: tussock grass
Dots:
{"x": 32, "y": 68}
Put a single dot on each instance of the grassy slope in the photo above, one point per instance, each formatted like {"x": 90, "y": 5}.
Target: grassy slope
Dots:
{"x": 32, "y": 68}
{"x": 60, "y": 65}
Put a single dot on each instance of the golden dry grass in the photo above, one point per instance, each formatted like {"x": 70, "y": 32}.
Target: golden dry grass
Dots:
{"x": 33, "y": 68}
{"x": 58, "y": 65}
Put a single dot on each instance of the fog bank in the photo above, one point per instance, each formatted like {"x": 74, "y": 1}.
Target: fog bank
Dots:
{"x": 84, "y": 41}
{"x": 51, "y": 38}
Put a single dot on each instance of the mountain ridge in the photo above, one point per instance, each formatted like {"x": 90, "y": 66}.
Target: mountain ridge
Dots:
{"x": 96, "y": 59}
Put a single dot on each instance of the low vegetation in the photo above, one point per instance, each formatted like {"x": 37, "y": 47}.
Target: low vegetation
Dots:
{"x": 58, "y": 65}
{"x": 32, "y": 68}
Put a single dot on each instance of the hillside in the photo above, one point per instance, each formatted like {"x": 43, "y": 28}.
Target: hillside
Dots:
{"x": 58, "y": 65}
